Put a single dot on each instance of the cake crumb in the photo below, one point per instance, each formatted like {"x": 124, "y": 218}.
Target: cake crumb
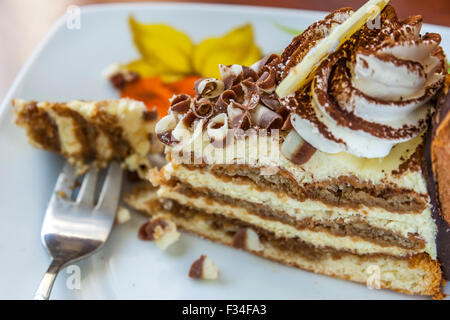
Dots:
{"x": 122, "y": 215}
{"x": 154, "y": 177}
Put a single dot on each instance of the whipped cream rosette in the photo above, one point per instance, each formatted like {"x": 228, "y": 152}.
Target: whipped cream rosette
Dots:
{"x": 373, "y": 92}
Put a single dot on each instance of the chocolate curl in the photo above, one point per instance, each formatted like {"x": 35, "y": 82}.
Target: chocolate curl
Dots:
{"x": 267, "y": 81}
{"x": 249, "y": 73}
{"x": 231, "y": 74}
{"x": 271, "y": 60}
{"x": 237, "y": 89}
{"x": 217, "y": 130}
{"x": 208, "y": 87}
{"x": 238, "y": 116}
{"x": 181, "y": 132}
{"x": 283, "y": 112}
{"x": 296, "y": 149}
{"x": 203, "y": 109}
{"x": 265, "y": 118}
{"x": 251, "y": 94}
{"x": 163, "y": 129}
{"x": 224, "y": 100}
{"x": 199, "y": 125}
{"x": 271, "y": 101}
{"x": 287, "y": 125}
{"x": 180, "y": 103}
{"x": 189, "y": 118}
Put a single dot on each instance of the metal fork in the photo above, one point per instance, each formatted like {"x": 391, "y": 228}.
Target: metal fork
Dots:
{"x": 73, "y": 230}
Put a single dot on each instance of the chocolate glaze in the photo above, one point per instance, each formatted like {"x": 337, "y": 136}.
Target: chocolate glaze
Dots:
{"x": 443, "y": 227}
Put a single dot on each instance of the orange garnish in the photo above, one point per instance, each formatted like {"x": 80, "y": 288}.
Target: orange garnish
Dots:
{"x": 155, "y": 93}
{"x": 185, "y": 85}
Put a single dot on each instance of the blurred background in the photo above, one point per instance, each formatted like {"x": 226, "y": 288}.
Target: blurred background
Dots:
{"x": 23, "y": 23}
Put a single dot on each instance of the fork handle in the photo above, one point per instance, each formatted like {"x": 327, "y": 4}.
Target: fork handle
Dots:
{"x": 46, "y": 285}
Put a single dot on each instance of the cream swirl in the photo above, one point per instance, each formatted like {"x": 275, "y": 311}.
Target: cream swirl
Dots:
{"x": 374, "y": 92}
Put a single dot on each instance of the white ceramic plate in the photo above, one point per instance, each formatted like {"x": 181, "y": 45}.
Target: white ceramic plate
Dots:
{"x": 68, "y": 65}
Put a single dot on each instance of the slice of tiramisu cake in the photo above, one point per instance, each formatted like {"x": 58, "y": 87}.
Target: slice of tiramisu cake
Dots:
{"x": 320, "y": 158}
{"x": 92, "y": 132}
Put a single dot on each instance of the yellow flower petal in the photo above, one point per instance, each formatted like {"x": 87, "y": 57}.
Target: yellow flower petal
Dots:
{"x": 146, "y": 69}
{"x": 235, "y": 47}
{"x": 168, "y": 49}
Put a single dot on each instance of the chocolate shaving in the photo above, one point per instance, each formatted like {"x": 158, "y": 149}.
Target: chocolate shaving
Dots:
{"x": 238, "y": 115}
{"x": 271, "y": 101}
{"x": 229, "y": 76}
{"x": 265, "y": 118}
{"x": 189, "y": 118}
{"x": 181, "y": 103}
{"x": 224, "y": 100}
{"x": 203, "y": 108}
{"x": 164, "y": 127}
{"x": 267, "y": 81}
{"x": 262, "y": 65}
{"x": 249, "y": 73}
{"x": 251, "y": 94}
{"x": 167, "y": 138}
{"x": 296, "y": 149}
{"x": 208, "y": 87}
{"x": 239, "y": 92}
{"x": 287, "y": 125}
{"x": 217, "y": 130}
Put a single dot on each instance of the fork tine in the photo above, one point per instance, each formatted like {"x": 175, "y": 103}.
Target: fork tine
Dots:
{"x": 109, "y": 196}
{"x": 86, "y": 194}
{"x": 65, "y": 183}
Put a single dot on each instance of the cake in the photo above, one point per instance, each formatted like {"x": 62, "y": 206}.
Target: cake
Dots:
{"x": 344, "y": 172}
{"x": 92, "y": 132}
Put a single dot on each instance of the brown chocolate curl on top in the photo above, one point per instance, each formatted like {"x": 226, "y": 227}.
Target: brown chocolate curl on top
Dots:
{"x": 296, "y": 149}
{"x": 269, "y": 61}
{"x": 239, "y": 91}
{"x": 224, "y": 100}
{"x": 167, "y": 138}
{"x": 271, "y": 101}
{"x": 267, "y": 81}
{"x": 217, "y": 130}
{"x": 203, "y": 108}
{"x": 287, "y": 125}
{"x": 265, "y": 118}
{"x": 181, "y": 103}
{"x": 238, "y": 116}
{"x": 208, "y": 87}
{"x": 189, "y": 118}
{"x": 249, "y": 74}
{"x": 251, "y": 94}
{"x": 231, "y": 79}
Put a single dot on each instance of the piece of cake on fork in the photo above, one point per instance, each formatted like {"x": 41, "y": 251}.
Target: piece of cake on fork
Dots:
{"x": 92, "y": 132}
{"x": 328, "y": 172}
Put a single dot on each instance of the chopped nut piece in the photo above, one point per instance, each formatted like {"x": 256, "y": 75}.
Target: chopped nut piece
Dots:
{"x": 161, "y": 230}
{"x": 204, "y": 268}
{"x": 247, "y": 238}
